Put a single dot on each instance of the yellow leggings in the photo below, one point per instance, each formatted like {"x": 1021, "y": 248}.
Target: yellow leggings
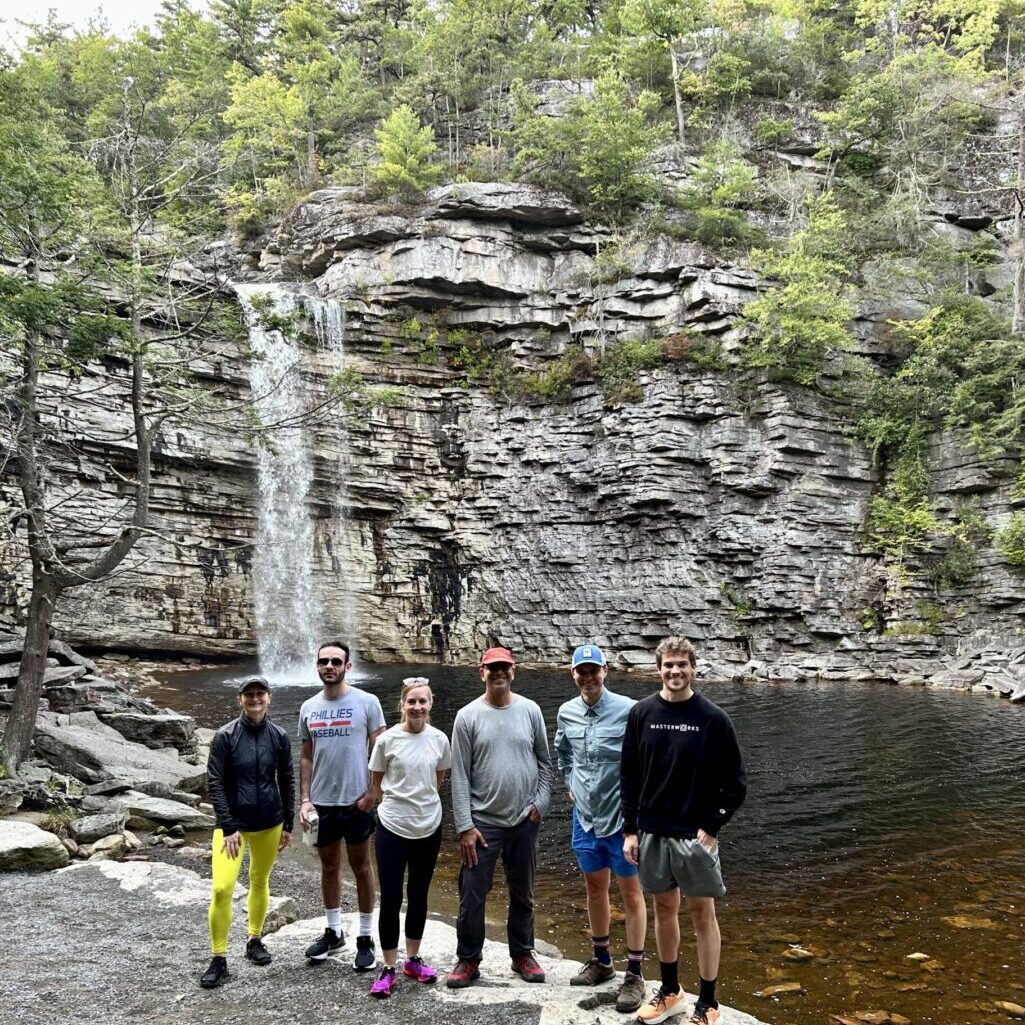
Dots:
{"x": 263, "y": 852}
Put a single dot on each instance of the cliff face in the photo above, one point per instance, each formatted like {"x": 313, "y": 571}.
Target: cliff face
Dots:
{"x": 732, "y": 513}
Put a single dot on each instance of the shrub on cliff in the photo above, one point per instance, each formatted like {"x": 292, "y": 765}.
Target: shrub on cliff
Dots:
{"x": 405, "y": 148}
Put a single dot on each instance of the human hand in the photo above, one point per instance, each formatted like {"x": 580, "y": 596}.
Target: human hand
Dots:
{"x": 534, "y": 815}
{"x": 232, "y": 844}
{"x": 286, "y": 839}
{"x": 631, "y": 849}
{"x": 570, "y": 797}
{"x": 706, "y": 840}
{"x": 366, "y": 802}
{"x": 304, "y": 809}
{"x": 468, "y": 841}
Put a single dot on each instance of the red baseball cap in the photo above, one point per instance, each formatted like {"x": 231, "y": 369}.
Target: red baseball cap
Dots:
{"x": 493, "y": 655}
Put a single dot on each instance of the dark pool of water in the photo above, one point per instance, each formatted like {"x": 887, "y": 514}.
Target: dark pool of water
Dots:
{"x": 880, "y": 821}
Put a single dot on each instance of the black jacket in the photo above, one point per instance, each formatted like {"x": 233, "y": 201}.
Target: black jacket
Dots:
{"x": 249, "y": 777}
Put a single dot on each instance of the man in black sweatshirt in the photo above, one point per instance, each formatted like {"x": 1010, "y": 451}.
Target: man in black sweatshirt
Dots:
{"x": 682, "y": 778}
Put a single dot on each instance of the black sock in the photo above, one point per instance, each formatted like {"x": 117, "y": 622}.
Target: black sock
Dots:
{"x": 601, "y": 949}
{"x": 633, "y": 961}
{"x": 670, "y": 976}
{"x": 706, "y": 993}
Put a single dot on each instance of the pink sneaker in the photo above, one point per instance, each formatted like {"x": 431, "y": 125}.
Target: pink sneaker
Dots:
{"x": 386, "y": 983}
{"x": 417, "y": 968}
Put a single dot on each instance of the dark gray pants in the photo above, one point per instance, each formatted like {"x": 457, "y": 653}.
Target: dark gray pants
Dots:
{"x": 517, "y": 847}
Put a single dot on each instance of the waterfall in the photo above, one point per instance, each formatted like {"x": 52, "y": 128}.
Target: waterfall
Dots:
{"x": 292, "y": 618}
{"x": 288, "y": 620}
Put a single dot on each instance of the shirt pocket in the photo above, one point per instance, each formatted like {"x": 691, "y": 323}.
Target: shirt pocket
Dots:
{"x": 609, "y": 742}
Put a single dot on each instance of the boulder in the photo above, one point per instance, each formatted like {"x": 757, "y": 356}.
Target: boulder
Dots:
{"x": 166, "y": 729}
{"x": 12, "y": 795}
{"x": 113, "y": 847}
{"x": 67, "y": 656}
{"x": 93, "y": 752}
{"x": 94, "y": 827}
{"x": 144, "y": 810}
{"x": 154, "y": 788}
{"x": 27, "y": 848}
{"x": 956, "y": 679}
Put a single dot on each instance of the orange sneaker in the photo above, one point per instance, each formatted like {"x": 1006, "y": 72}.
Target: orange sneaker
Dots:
{"x": 704, "y": 1015}
{"x": 661, "y": 1006}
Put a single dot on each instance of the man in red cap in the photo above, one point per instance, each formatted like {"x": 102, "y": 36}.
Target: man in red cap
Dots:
{"x": 501, "y": 786}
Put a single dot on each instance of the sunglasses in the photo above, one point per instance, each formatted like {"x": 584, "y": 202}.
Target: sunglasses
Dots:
{"x": 331, "y": 662}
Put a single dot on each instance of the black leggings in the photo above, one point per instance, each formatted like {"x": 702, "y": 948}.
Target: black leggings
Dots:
{"x": 394, "y": 854}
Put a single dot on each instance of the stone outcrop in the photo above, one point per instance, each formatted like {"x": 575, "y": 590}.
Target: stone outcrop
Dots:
{"x": 726, "y": 511}
{"x": 25, "y": 847}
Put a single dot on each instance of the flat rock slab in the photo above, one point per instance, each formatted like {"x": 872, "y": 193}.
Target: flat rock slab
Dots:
{"x": 93, "y": 752}
{"x": 165, "y": 729}
{"x": 144, "y": 807}
{"x": 27, "y": 848}
{"x": 91, "y": 828}
{"x": 116, "y": 904}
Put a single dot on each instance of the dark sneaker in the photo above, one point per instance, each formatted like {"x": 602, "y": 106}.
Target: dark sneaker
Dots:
{"x": 215, "y": 974}
{"x": 330, "y": 943}
{"x": 593, "y": 973}
{"x": 464, "y": 972}
{"x": 257, "y": 952}
{"x": 527, "y": 967}
{"x": 417, "y": 968}
{"x": 386, "y": 983}
{"x": 366, "y": 957}
{"x": 704, "y": 1014}
{"x": 631, "y": 994}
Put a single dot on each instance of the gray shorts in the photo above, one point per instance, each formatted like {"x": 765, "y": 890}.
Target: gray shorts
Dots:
{"x": 666, "y": 862}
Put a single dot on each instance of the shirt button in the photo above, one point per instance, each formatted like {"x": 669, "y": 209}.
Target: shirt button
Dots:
{"x": 722, "y": 811}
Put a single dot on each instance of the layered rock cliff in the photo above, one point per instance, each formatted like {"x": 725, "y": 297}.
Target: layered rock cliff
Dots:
{"x": 729, "y": 511}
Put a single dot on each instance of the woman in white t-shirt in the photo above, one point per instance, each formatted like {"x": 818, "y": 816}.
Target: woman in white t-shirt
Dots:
{"x": 407, "y": 767}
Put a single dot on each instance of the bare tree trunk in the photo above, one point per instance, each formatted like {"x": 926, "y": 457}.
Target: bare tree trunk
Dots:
{"x": 311, "y": 158}
{"x": 676, "y": 90}
{"x": 1018, "y": 236}
{"x": 21, "y": 722}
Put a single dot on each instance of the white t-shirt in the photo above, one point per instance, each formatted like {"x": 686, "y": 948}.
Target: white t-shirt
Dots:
{"x": 411, "y": 805}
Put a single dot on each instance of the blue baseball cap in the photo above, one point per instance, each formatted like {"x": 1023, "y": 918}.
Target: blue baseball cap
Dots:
{"x": 588, "y": 655}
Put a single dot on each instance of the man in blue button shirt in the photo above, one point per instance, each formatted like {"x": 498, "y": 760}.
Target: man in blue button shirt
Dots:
{"x": 588, "y": 742}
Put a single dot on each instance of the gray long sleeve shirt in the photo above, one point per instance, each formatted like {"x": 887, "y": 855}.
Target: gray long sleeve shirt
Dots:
{"x": 500, "y": 763}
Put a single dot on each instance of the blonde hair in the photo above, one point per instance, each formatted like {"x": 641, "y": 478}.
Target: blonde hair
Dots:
{"x": 676, "y": 646}
{"x": 408, "y": 684}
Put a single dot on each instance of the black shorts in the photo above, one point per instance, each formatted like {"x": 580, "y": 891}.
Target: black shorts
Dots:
{"x": 344, "y": 822}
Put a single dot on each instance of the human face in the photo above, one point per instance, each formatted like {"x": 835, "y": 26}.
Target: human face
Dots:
{"x": 677, "y": 674}
{"x": 590, "y": 679}
{"x": 254, "y": 701}
{"x": 498, "y": 678}
{"x": 332, "y": 665}
{"x": 416, "y": 706}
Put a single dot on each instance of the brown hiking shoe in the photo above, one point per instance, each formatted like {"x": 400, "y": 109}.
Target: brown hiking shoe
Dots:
{"x": 631, "y": 994}
{"x": 593, "y": 973}
{"x": 464, "y": 972}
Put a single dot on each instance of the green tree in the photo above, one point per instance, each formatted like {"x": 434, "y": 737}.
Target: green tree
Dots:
{"x": 804, "y": 315}
{"x": 405, "y": 148}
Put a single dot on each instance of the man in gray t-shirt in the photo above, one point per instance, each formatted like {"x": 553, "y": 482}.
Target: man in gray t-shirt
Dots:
{"x": 337, "y": 730}
{"x": 501, "y": 786}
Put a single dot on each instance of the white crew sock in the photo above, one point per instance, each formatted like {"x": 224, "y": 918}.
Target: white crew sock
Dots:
{"x": 366, "y": 923}
{"x": 334, "y": 919}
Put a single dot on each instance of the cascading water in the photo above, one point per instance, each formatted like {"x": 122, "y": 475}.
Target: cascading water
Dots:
{"x": 288, "y": 621}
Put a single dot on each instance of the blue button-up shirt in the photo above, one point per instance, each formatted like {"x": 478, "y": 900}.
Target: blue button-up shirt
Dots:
{"x": 588, "y": 743}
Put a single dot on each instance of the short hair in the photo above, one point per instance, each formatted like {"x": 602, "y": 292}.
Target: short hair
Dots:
{"x": 408, "y": 684}
{"x": 678, "y": 646}
{"x": 335, "y": 644}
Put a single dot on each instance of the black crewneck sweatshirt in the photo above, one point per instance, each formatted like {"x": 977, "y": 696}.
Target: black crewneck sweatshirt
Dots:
{"x": 681, "y": 768}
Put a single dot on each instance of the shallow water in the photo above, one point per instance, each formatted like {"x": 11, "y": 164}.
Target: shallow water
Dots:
{"x": 880, "y": 822}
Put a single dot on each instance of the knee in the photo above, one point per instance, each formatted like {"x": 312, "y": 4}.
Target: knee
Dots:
{"x": 703, "y": 915}
{"x": 596, "y": 887}
{"x": 222, "y": 894}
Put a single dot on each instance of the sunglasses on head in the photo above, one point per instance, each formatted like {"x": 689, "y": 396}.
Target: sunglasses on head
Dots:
{"x": 330, "y": 661}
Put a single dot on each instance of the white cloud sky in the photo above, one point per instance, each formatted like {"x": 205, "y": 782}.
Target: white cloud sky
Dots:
{"x": 121, "y": 15}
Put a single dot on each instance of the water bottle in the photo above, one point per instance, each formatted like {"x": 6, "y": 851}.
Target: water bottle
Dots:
{"x": 310, "y": 835}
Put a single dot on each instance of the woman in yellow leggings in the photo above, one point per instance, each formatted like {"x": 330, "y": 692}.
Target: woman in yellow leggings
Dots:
{"x": 252, "y": 788}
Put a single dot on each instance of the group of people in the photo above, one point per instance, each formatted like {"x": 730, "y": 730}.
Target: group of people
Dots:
{"x": 651, "y": 782}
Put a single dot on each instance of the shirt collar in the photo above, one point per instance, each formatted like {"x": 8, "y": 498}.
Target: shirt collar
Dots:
{"x": 599, "y": 706}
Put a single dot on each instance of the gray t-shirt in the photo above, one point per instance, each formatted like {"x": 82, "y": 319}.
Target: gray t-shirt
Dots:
{"x": 411, "y": 805}
{"x": 500, "y": 763}
{"x": 339, "y": 729}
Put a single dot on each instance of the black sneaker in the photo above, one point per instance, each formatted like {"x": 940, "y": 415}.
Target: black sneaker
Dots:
{"x": 215, "y": 974}
{"x": 330, "y": 943}
{"x": 366, "y": 957}
{"x": 257, "y": 952}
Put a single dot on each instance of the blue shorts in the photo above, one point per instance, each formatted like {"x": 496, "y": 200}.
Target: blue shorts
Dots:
{"x": 597, "y": 852}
